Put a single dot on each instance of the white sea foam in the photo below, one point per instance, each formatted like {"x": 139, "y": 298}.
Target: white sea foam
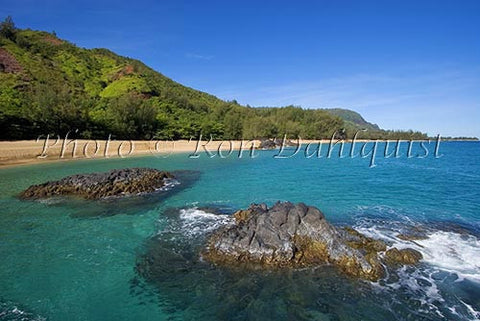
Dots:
{"x": 442, "y": 251}
{"x": 51, "y": 200}
{"x": 196, "y": 222}
{"x": 474, "y": 313}
{"x": 8, "y": 311}
{"x": 169, "y": 183}
{"x": 453, "y": 252}
{"x": 448, "y": 251}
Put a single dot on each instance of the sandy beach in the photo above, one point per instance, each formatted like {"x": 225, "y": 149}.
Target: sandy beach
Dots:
{"x": 13, "y": 153}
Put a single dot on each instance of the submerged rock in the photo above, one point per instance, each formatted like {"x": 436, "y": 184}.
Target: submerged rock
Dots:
{"x": 288, "y": 235}
{"x": 411, "y": 237}
{"x": 414, "y": 233}
{"x": 128, "y": 181}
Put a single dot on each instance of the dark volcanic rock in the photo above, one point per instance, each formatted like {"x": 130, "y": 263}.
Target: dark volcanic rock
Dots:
{"x": 289, "y": 235}
{"x": 274, "y": 143}
{"x": 267, "y": 144}
{"x": 129, "y": 181}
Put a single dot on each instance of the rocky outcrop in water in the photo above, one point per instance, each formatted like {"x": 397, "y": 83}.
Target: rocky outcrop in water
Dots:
{"x": 274, "y": 143}
{"x": 267, "y": 144}
{"x": 117, "y": 182}
{"x": 288, "y": 235}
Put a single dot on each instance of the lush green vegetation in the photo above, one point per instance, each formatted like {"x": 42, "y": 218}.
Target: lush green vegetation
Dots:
{"x": 50, "y": 86}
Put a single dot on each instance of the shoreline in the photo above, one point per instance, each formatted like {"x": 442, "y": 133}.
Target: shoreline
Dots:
{"x": 30, "y": 152}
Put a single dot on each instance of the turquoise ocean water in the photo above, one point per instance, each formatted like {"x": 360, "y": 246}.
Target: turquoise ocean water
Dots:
{"x": 137, "y": 259}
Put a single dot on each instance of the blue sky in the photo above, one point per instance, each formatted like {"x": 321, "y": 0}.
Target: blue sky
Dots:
{"x": 401, "y": 64}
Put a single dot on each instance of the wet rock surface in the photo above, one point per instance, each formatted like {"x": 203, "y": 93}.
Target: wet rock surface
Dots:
{"x": 289, "y": 235}
{"x": 117, "y": 182}
{"x": 395, "y": 256}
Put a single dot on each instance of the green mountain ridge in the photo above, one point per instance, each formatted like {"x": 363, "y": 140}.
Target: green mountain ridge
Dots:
{"x": 352, "y": 118}
{"x": 50, "y": 86}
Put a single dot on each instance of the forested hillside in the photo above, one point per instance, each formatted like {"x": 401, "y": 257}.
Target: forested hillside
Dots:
{"x": 51, "y": 86}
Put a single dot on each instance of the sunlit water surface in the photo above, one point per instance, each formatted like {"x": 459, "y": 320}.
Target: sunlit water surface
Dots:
{"x": 138, "y": 259}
